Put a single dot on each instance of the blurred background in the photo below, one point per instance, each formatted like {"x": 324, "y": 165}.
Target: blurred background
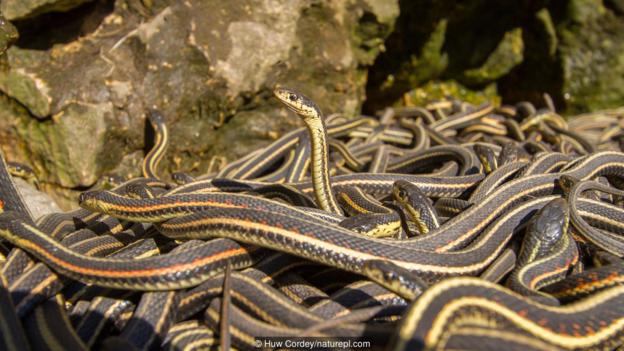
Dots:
{"x": 75, "y": 86}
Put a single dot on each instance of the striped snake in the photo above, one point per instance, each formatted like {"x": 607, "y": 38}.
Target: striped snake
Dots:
{"x": 508, "y": 194}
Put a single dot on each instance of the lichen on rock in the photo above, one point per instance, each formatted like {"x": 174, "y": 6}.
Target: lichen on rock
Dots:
{"x": 439, "y": 90}
{"x": 507, "y": 55}
{"x": 572, "y": 50}
{"x": 8, "y": 34}
{"x": 21, "y": 9}
{"x": 208, "y": 67}
{"x": 592, "y": 56}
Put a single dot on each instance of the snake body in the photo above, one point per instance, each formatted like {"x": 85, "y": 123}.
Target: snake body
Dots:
{"x": 437, "y": 227}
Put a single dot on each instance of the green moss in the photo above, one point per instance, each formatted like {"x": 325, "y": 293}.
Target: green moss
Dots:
{"x": 592, "y": 57}
{"x": 12, "y": 116}
{"x": 543, "y": 17}
{"x": 507, "y": 55}
{"x": 8, "y": 34}
{"x": 28, "y": 90}
{"x": 21, "y": 9}
{"x": 61, "y": 153}
{"x": 371, "y": 29}
{"x": 436, "y": 90}
{"x": 431, "y": 62}
{"x": 385, "y": 11}
{"x": 585, "y": 11}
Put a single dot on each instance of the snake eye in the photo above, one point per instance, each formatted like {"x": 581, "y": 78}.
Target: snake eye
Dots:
{"x": 292, "y": 97}
{"x": 389, "y": 276}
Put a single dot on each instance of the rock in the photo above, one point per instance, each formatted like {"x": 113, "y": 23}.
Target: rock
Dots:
{"x": 28, "y": 89}
{"x": 507, "y": 55}
{"x": 572, "y": 50}
{"x": 60, "y": 148}
{"x": 438, "y": 90}
{"x": 540, "y": 69}
{"x": 592, "y": 56}
{"x": 474, "y": 42}
{"x": 8, "y": 34}
{"x": 22, "y": 9}
{"x": 431, "y": 62}
{"x": 208, "y": 66}
{"x": 616, "y": 6}
{"x": 548, "y": 32}
{"x": 39, "y": 203}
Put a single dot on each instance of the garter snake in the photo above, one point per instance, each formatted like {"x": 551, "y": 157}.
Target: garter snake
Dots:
{"x": 609, "y": 242}
{"x": 11, "y": 332}
{"x": 462, "y": 119}
{"x": 452, "y": 235}
{"x": 10, "y": 198}
{"x": 498, "y": 270}
{"x": 587, "y": 282}
{"x": 312, "y": 117}
{"x": 417, "y": 206}
{"x": 465, "y": 300}
{"x": 101, "y": 313}
{"x": 308, "y": 237}
{"x": 436, "y": 155}
{"x": 257, "y": 162}
{"x": 368, "y": 215}
{"x": 547, "y": 253}
{"x": 176, "y": 270}
{"x": 151, "y": 319}
{"x": 264, "y": 201}
{"x": 24, "y": 172}
{"x": 161, "y": 142}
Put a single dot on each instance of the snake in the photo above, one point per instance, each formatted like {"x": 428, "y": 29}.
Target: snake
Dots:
{"x": 180, "y": 270}
{"x": 311, "y": 115}
{"x": 272, "y": 244}
{"x": 417, "y": 206}
{"x": 161, "y": 142}
{"x": 430, "y": 321}
{"x": 547, "y": 253}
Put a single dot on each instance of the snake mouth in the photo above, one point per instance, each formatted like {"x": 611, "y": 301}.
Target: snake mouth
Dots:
{"x": 88, "y": 199}
{"x": 289, "y": 98}
{"x": 298, "y": 103}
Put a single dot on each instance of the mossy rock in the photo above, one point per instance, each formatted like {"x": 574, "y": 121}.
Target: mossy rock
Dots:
{"x": 22, "y": 9}
{"x": 573, "y": 50}
{"x": 438, "y": 90}
{"x": 209, "y": 67}
{"x": 592, "y": 56}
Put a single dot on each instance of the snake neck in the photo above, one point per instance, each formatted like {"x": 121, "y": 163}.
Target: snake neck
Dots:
{"x": 155, "y": 155}
{"x": 320, "y": 173}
